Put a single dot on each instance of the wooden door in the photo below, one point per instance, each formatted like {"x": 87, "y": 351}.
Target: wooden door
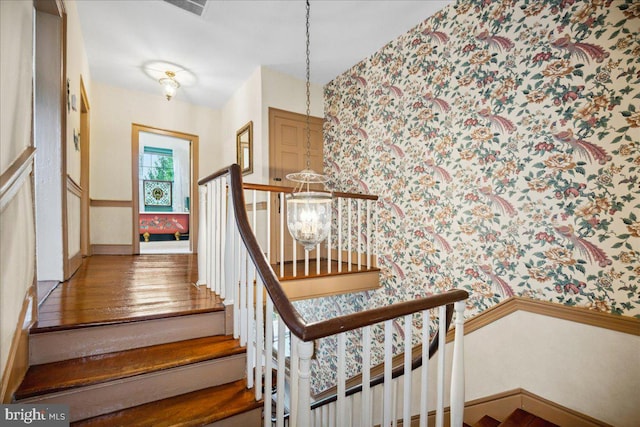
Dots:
{"x": 287, "y": 154}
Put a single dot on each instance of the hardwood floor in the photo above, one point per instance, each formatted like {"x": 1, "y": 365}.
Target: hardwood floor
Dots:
{"x": 109, "y": 289}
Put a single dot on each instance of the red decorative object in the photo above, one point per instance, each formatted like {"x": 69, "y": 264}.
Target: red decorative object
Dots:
{"x": 164, "y": 223}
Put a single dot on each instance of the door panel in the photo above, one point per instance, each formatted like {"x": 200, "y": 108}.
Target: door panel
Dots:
{"x": 287, "y": 154}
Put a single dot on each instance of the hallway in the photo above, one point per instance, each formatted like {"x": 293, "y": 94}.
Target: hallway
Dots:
{"x": 108, "y": 289}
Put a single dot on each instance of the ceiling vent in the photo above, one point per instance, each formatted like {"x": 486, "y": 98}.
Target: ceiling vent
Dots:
{"x": 194, "y": 6}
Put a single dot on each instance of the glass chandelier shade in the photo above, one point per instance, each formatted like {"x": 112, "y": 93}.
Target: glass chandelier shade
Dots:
{"x": 309, "y": 217}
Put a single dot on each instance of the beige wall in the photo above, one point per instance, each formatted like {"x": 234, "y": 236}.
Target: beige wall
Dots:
{"x": 113, "y": 111}
{"x": 286, "y": 93}
{"x": 244, "y": 106}
{"x": 77, "y": 68}
{"x": 594, "y": 370}
{"x": 17, "y": 245}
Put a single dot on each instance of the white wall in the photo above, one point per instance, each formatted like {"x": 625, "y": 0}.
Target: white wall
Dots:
{"x": 77, "y": 67}
{"x": 592, "y": 370}
{"x": 48, "y": 142}
{"x": 285, "y": 93}
{"x": 113, "y": 111}
{"x": 17, "y": 245}
{"x": 244, "y": 106}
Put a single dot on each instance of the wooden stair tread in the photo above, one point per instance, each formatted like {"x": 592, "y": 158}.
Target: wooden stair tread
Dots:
{"x": 487, "y": 421}
{"x": 84, "y": 371}
{"x": 197, "y": 408}
{"x": 61, "y": 321}
{"x": 522, "y": 418}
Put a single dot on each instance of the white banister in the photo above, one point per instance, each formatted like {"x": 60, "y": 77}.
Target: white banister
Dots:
{"x": 227, "y": 265}
{"x": 341, "y": 379}
{"x": 202, "y": 235}
{"x": 457, "y": 370}
{"x": 359, "y": 231}
{"x": 388, "y": 382}
{"x": 366, "y": 376}
{"x": 441, "y": 366}
{"x": 349, "y": 235}
{"x": 408, "y": 347}
{"x": 424, "y": 374}
{"x": 268, "y": 363}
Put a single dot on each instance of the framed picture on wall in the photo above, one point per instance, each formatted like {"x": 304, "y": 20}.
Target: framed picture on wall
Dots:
{"x": 157, "y": 193}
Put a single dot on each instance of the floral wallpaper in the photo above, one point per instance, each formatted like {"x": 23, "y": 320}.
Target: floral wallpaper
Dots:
{"x": 503, "y": 138}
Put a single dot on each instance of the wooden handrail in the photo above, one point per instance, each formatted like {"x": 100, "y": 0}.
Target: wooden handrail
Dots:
{"x": 279, "y": 189}
{"x": 290, "y": 316}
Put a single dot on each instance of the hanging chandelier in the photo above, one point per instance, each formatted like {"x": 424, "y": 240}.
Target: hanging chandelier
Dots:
{"x": 308, "y": 212}
{"x": 169, "y": 84}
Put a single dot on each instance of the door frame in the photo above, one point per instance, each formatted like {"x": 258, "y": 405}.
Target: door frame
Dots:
{"x": 85, "y": 163}
{"x": 135, "y": 193}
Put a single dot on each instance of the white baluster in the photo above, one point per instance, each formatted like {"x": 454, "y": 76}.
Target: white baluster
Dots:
{"x": 280, "y": 382}
{"x": 268, "y": 363}
{"x": 215, "y": 268}
{"x": 366, "y": 376}
{"x": 318, "y": 249}
{"x": 340, "y": 379}
{"x": 441, "y": 365}
{"x": 408, "y": 338}
{"x": 210, "y": 232}
{"x": 306, "y": 263}
{"x": 388, "y": 359}
{"x": 260, "y": 347}
{"x": 329, "y": 246}
{"x": 457, "y": 373}
{"x": 282, "y": 208}
{"x": 424, "y": 375}
{"x": 349, "y": 235}
{"x": 223, "y": 236}
{"x": 369, "y": 234}
{"x": 237, "y": 284}
{"x": 243, "y": 297}
{"x": 268, "y": 248}
{"x": 251, "y": 330}
{"x": 202, "y": 235}
{"x": 293, "y": 380}
{"x": 359, "y": 231}
{"x": 340, "y": 235}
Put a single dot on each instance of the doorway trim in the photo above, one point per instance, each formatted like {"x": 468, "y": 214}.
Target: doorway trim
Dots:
{"x": 135, "y": 194}
{"x": 85, "y": 199}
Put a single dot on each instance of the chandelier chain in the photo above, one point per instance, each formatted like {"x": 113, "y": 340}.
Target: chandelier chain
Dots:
{"x": 308, "y": 94}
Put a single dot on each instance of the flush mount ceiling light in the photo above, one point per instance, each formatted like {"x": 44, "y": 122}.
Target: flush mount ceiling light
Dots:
{"x": 169, "y": 84}
{"x": 170, "y": 75}
{"x": 308, "y": 212}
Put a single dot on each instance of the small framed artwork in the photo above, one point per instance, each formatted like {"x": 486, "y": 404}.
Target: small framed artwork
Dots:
{"x": 244, "y": 147}
{"x": 157, "y": 193}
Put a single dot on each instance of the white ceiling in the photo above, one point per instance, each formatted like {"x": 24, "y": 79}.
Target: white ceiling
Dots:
{"x": 233, "y": 37}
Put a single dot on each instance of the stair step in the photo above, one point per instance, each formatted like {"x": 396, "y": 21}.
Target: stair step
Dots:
{"x": 232, "y": 402}
{"x": 487, "y": 421}
{"x": 84, "y": 371}
{"x": 522, "y": 418}
{"x": 57, "y": 344}
{"x": 100, "y": 384}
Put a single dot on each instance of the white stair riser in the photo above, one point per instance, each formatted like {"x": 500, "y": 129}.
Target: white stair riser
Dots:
{"x": 98, "y": 399}
{"x": 55, "y": 346}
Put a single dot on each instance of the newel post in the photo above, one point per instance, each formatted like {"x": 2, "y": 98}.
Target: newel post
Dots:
{"x": 305, "y": 351}
{"x": 202, "y": 235}
{"x": 457, "y": 369}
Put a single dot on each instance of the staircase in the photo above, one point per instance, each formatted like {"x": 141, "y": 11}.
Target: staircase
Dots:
{"x": 518, "y": 418}
{"x": 176, "y": 368}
